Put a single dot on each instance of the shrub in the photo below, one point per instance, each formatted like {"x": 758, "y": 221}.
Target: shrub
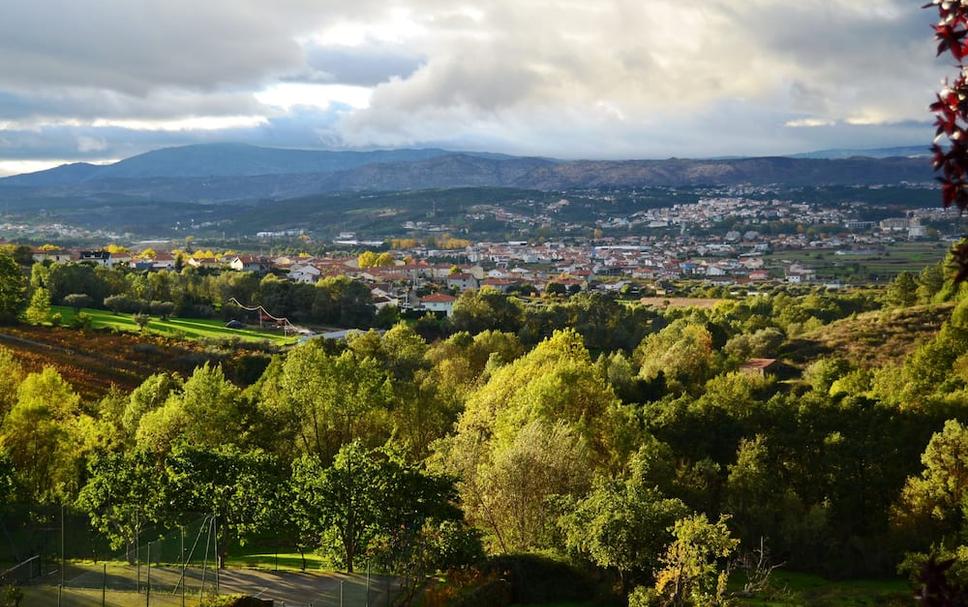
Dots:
{"x": 142, "y": 320}
{"x": 77, "y": 301}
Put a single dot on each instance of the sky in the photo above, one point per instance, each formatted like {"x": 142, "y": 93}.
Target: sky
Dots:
{"x": 100, "y": 80}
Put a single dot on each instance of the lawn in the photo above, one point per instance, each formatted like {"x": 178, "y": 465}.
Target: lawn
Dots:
{"x": 180, "y": 328}
{"x": 795, "y": 589}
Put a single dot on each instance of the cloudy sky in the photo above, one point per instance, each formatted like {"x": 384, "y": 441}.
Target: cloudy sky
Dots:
{"x": 104, "y": 79}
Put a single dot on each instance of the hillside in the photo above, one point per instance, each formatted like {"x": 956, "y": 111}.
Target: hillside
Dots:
{"x": 230, "y": 172}
{"x": 873, "y": 338}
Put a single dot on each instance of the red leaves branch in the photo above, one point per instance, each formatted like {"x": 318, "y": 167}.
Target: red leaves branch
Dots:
{"x": 951, "y": 115}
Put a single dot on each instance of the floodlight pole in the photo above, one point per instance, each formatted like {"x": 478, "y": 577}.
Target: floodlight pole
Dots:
{"x": 148, "y": 589}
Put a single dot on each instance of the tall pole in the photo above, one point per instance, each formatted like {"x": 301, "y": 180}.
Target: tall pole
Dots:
{"x": 148, "y": 589}
{"x": 63, "y": 559}
{"x": 218, "y": 560}
{"x": 184, "y": 563}
{"x": 137, "y": 547}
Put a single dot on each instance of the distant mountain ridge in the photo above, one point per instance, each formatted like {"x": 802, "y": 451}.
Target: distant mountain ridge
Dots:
{"x": 237, "y": 172}
{"x": 219, "y": 160}
{"x": 909, "y": 151}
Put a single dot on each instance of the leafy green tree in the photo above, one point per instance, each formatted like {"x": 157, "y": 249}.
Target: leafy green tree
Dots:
{"x": 77, "y": 301}
{"x": 44, "y": 434}
{"x": 367, "y": 503}
{"x": 39, "y": 311}
{"x": 213, "y": 407}
{"x": 324, "y": 401}
{"x": 903, "y": 291}
{"x": 931, "y": 281}
{"x": 623, "y": 526}
{"x": 486, "y": 308}
{"x": 940, "y": 493}
{"x": 150, "y": 395}
{"x": 11, "y": 374}
{"x": 125, "y": 493}
{"x": 682, "y": 353}
{"x": 692, "y": 572}
{"x": 240, "y": 489}
{"x": 13, "y": 289}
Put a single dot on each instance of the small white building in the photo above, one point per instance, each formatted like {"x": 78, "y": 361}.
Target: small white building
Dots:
{"x": 304, "y": 273}
{"x": 439, "y": 302}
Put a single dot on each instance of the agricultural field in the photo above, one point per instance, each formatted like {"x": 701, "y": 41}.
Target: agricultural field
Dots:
{"x": 93, "y": 361}
{"x": 179, "y": 328}
{"x": 680, "y": 302}
{"x": 879, "y": 265}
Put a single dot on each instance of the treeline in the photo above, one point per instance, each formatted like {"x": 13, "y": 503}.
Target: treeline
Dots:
{"x": 197, "y": 293}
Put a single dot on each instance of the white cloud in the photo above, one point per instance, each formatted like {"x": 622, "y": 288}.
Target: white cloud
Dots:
{"x": 552, "y": 77}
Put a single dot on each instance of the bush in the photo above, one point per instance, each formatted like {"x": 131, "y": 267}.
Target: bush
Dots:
{"x": 141, "y": 320}
{"x": 538, "y": 579}
{"x": 162, "y": 309}
{"x": 77, "y": 301}
{"x": 10, "y": 596}
{"x": 82, "y": 320}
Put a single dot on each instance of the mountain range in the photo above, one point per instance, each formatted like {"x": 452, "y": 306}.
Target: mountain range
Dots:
{"x": 237, "y": 172}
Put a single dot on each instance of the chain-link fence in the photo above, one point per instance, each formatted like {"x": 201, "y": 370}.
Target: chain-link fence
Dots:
{"x": 54, "y": 557}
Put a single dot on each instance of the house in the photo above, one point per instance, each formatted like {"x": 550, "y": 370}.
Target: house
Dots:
{"x": 439, "y": 302}
{"x": 304, "y": 273}
{"x": 758, "y": 366}
{"x": 462, "y": 281}
{"x": 759, "y": 275}
{"x": 163, "y": 261}
{"x": 101, "y": 258}
{"x": 53, "y": 255}
{"x": 250, "y": 263}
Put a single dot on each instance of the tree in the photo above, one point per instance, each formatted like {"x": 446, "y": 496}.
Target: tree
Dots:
{"x": 691, "y": 572}
{"x": 487, "y": 308}
{"x": 623, "y": 526}
{"x": 325, "y": 401}
{"x": 903, "y": 291}
{"x": 77, "y": 301}
{"x": 940, "y": 493}
{"x": 11, "y": 374}
{"x": 13, "y": 289}
{"x": 368, "y": 502}
{"x": 44, "y": 436}
{"x": 142, "y": 320}
{"x": 149, "y": 396}
{"x": 682, "y": 353}
{"x": 124, "y": 494}
{"x": 240, "y": 489}
{"x": 39, "y": 312}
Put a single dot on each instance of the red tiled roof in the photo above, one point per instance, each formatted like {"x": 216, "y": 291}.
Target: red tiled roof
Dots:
{"x": 438, "y": 298}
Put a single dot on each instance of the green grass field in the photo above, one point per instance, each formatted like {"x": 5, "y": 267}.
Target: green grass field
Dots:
{"x": 180, "y": 328}
{"x": 794, "y": 589}
{"x": 884, "y": 265}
